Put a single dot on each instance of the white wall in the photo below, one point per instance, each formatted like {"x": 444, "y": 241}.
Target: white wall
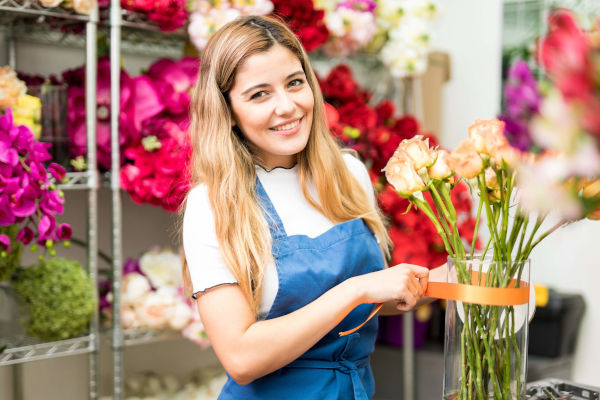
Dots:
{"x": 470, "y": 30}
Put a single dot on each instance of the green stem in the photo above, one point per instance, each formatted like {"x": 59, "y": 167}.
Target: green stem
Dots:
{"x": 476, "y": 230}
{"x": 424, "y": 206}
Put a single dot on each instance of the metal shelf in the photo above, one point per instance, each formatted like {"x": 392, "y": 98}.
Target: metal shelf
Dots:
{"x": 37, "y": 350}
{"x": 132, "y": 337}
{"x": 80, "y": 181}
{"x": 28, "y": 9}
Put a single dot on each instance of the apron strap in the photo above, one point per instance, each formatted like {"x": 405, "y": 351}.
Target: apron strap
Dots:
{"x": 275, "y": 224}
{"x": 344, "y": 366}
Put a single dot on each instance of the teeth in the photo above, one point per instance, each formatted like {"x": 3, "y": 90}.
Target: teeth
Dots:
{"x": 287, "y": 126}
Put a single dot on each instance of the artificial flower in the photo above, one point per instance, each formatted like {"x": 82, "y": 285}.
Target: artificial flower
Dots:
{"x": 11, "y": 87}
{"x": 156, "y": 308}
{"x": 135, "y": 287}
{"x": 162, "y": 267}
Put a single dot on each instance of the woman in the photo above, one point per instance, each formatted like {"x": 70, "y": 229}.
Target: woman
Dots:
{"x": 283, "y": 242}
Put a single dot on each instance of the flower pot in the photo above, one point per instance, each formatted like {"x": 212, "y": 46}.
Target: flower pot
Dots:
{"x": 485, "y": 349}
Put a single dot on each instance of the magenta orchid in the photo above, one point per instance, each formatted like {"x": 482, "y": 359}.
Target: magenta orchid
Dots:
{"x": 29, "y": 200}
{"x": 139, "y": 100}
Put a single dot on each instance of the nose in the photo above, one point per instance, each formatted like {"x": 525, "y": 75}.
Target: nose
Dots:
{"x": 285, "y": 104}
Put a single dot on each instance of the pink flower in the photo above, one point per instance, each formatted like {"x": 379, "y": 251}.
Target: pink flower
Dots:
{"x": 64, "y": 232}
{"x": 465, "y": 160}
{"x": 5, "y": 243}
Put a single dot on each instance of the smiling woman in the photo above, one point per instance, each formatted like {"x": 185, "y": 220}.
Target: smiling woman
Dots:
{"x": 283, "y": 241}
{"x": 272, "y": 105}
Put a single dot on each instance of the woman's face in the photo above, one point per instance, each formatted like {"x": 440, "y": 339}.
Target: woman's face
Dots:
{"x": 272, "y": 105}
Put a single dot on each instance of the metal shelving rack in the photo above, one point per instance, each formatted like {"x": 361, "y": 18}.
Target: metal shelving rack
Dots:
{"x": 134, "y": 29}
{"x": 13, "y": 14}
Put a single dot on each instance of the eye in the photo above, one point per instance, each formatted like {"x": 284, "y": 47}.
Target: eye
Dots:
{"x": 258, "y": 95}
{"x": 296, "y": 82}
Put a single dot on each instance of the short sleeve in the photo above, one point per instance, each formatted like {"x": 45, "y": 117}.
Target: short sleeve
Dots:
{"x": 359, "y": 171}
{"x": 201, "y": 247}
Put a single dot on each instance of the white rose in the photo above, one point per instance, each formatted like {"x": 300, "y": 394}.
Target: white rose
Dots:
{"x": 180, "y": 316}
{"x": 157, "y": 309}
{"x": 134, "y": 289}
{"x": 162, "y": 268}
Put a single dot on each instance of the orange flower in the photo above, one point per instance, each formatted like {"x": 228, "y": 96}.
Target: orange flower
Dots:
{"x": 440, "y": 169}
{"x": 465, "y": 160}
{"x": 11, "y": 87}
{"x": 488, "y": 135}
{"x": 402, "y": 175}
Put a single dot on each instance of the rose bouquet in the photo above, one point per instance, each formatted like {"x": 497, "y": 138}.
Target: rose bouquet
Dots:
{"x": 542, "y": 164}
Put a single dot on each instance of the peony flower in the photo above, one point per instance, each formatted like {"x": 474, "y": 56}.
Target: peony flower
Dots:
{"x": 156, "y": 309}
{"x": 129, "y": 319}
{"x": 487, "y": 136}
{"x": 135, "y": 287}
{"x": 163, "y": 268}
{"x": 401, "y": 174}
{"x": 440, "y": 169}
{"x": 181, "y": 315}
{"x": 465, "y": 160}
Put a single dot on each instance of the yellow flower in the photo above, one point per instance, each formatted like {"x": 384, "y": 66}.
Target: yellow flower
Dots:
{"x": 465, "y": 160}
{"x": 28, "y": 112}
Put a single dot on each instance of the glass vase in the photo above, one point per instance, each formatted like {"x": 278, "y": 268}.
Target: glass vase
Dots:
{"x": 485, "y": 349}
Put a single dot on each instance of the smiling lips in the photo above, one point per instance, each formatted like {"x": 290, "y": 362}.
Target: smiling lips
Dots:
{"x": 287, "y": 127}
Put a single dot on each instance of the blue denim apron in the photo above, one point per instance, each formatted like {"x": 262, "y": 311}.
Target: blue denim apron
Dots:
{"x": 336, "y": 368}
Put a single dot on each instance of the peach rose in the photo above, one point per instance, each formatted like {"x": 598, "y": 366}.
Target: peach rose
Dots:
{"x": 465, "y": 160}
{"x": 440, "y": 168}
{"x": 404, "y": 178}
{"x": 418, "y": 151}
{"x": 510, "y": 156}
{"x": 487, "y": 135}
{"x": 11, "y": 87}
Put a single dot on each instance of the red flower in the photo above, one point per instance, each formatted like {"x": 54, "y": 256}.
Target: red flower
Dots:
{"x": 306, "y": 22}
{"x": 358, "y": 115}
{"x": 385, "y": 113}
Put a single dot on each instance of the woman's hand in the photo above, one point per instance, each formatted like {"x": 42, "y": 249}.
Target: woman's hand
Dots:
{"x": 402, "y": 284}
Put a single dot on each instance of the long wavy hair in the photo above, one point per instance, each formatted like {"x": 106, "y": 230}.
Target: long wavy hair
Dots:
{"x": 223, "y": 161}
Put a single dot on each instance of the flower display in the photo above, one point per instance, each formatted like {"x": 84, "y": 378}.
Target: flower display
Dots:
{"x": 560, "y": 120}
{"x": 152, "y": 296}
{"x": 79, "y": 6}
{"x": 351, "y": 25}
{"x": 406, "y": 27}
{"x": 29, "y": 199}
{"x": 206, "y": 17}
{"x": 139, "y": 100}
{"x": 375, "y": 132}
{"x": 169, "y": 15}
{"x": 305, "y": 20}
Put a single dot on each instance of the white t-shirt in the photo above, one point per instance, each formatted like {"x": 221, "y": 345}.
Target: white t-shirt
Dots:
{"x": 206, "y": 265}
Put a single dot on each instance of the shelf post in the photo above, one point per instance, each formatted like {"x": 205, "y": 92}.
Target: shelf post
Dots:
{"x": 91, "y": 64}
{"x": 117, "y": 249}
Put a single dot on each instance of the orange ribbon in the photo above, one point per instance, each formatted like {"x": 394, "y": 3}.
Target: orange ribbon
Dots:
{"x": 475, "y": 293}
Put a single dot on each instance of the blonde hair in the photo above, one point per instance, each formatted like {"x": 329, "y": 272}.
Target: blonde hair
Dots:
{"x": 223, "y": 161}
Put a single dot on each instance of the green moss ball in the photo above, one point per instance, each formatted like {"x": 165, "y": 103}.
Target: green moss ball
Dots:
{"x": 61, "y": 298}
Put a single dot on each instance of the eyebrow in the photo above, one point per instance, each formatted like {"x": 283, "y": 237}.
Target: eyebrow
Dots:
{"x": 263, "y": 85}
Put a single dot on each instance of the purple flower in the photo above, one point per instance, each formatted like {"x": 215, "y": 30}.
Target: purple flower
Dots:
{"x": 52, "y": 203}
{"x": 5, "y": 243}
{"x": 131, "y": 265}
{"x": 25, "y": 235}
{"x": 8, "y": 155}
{"x": 522, "y": 102}
{"x": 6, "y": 215}
{"x": 64, "y": 232}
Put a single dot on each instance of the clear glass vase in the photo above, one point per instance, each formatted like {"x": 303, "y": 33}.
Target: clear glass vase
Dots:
{"x": 485, "y": 350}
